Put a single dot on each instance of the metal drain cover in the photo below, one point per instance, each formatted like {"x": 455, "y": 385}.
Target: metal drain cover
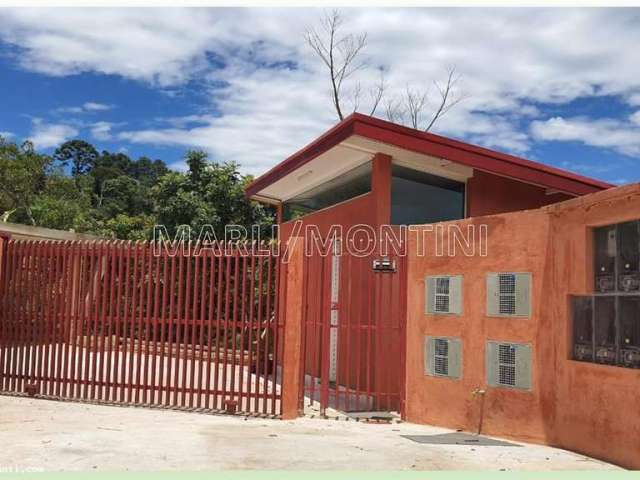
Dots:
{"x": 459, "y": 438}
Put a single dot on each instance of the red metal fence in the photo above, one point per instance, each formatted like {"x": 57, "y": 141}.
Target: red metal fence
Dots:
{"x": 112, "y": 322}
{"x": 353, "y": 333}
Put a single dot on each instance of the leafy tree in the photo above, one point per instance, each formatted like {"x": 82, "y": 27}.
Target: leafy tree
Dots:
{"x": 23, "y": 172}
{"x": 61, "y": 205}
{"x": 208, "y": 194}
{"x": 81, "y": 154}
{"x": 113, "y": 196}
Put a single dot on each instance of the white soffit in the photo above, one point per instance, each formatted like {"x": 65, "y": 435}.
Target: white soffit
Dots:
{"x": 350, "y": 153}
{"x": 416, "y": 161}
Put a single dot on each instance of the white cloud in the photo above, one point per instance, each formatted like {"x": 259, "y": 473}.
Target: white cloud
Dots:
{"x": 621, "y": 136}
{"x": 101, "y": 130}
{"x": 6, "y": 135}
{"x": 47, "y": 135}
{"x": 87, "y": 107}
{"x": 509, "y": 60}
{"x": 96, "y": 107}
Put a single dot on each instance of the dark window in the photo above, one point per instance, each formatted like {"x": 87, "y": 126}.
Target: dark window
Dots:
{"x": 418, "y": 197}
{"x": 344, "y": 187}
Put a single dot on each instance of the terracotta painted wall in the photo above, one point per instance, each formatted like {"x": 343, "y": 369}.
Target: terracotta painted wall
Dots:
{"x": 488, "y": 194}
{"x": 588, "y": 408}
{"x": 597, "y": 406}
{"x": 447, "y": 402}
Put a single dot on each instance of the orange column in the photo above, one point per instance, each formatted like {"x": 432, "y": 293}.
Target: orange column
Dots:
{"x": 293, "y": 309}
{"x": 381, "y": 187}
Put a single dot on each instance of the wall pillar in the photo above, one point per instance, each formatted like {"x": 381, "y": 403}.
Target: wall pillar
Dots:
{"x": 292, "y": 286}
{"x": 381, "y": 188}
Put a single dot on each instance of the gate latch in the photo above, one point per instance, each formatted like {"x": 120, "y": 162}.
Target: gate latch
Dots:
{"x": 384, "y": 265}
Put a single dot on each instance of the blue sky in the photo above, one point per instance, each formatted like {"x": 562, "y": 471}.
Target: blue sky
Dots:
{"x": 557, "y": 86}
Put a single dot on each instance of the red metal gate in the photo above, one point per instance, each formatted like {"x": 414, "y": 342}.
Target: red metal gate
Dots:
{"x": 112, "y": 322}
{"x": 353, "y": 331}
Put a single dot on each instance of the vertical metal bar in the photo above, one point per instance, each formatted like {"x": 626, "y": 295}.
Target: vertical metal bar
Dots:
{"x": 305, "y": 319}
{"x": 241, "y": 350}
{"x": 63, "y": 319}
{"x": 150, "y": 275}
{"x": 359, "y": 303}
{"x": 52, "y": 347}
{"x": 18, "y": 292}
{"x": 348, "y": 322}
{"x": 119, "y": 318}
{"x": 194, "y": 322}
{"x": 179, "y": 326}
{"x": 97, "y": 292}
{"x": 132, "y": 322}
{"x": 225, "y": 338}
{"x": 234, "y": 319}
{"x": 60, "y": 322}
{"x": 172, "y": 331}
{"x": 216, "y": 371}
{"x": 32, "y": 317}
{"x": 212, "y": 293}
{"x": 185, "y": 332}
{"x": 259, "y": 330}
{"x": 138, "y": 323}
{"x": 163, "y": 325}
{"x": 268, "y": 325}
{"x": 127, "y": 290}
{"x": 6, "y": 283}
{"x": 203, "y": 305}
{"x": 276, "y": 324}
{"x": 87, "y": 281}
{"x": 77, "y": 263}
{"x": 94, "y": 300}
{"x": 155, "y": 375}
{"x": 111, "y": 268}
{"x": 40, "y": 300}
{"x": 252, "y": 286}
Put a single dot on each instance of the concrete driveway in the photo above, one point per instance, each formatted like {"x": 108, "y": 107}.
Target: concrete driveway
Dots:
{"x": 46, "y": 435}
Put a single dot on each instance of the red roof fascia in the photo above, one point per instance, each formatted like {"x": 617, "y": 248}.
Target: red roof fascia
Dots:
{"x": 434, "y": 145}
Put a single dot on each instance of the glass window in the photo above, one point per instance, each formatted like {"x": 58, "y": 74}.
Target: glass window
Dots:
{"x": 344, "y": 187}
{"x": 419, "y": 197}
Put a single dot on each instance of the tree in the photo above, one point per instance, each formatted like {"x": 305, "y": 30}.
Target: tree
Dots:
{"x": 61, "y": 205}
{"x": 23, "y": 172}
{"x": 82, "y": 155}
{"x": 208, "y": 194}
{"x": 341, "y": 54}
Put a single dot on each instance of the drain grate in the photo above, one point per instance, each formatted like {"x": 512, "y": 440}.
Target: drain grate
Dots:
{"x": 459, "y": 438}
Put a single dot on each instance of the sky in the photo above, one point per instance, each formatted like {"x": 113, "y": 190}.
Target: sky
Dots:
{"x": 558, "y": 86}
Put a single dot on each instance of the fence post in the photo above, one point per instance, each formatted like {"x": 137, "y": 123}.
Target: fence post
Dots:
{"x": 4, "y": 240}
{"x": 293, "y": 310}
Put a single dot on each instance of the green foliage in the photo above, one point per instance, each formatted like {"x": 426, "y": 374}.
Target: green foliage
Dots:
{"x": 24, "y": 173}
{"x": 111, "y": 195}
{"x": 208, "y": 194}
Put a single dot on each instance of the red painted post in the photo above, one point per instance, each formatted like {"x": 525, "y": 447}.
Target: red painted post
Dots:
{"x": 293, "y": 310}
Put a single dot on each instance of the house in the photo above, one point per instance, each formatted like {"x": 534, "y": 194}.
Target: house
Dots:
{"x": 535, "y": 337}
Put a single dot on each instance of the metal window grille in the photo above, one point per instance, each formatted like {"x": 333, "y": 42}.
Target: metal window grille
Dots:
{"x": 507, "y": 292}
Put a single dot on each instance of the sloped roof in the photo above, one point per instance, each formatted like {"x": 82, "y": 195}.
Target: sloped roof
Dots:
{"x": 435, "y": 146}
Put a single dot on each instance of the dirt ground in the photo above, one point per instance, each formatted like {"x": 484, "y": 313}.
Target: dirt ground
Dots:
{"x": 37, "y": 435}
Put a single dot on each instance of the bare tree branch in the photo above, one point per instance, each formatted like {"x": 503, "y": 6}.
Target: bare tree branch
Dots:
{"x": 339, "y": 54}
{"x": 414, "y": 102}
{"x": 376, "y": 93}
{"x": 447, "y": 101}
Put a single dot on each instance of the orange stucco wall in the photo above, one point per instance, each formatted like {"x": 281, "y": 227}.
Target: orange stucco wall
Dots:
{"x": 584, "y": 407}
